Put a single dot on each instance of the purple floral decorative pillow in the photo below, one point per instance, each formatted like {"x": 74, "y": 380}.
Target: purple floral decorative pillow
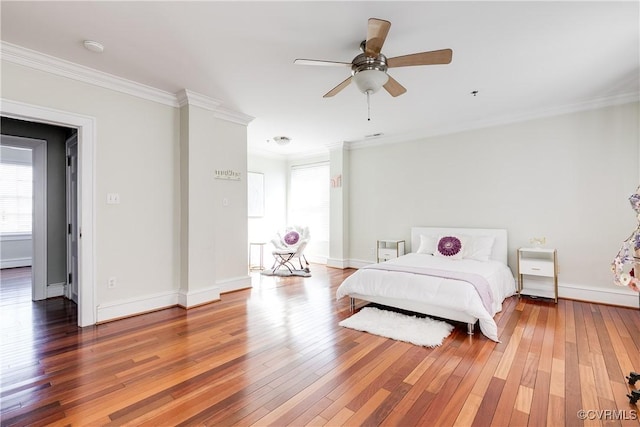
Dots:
{"x": 450, "y": 247}
{"x": 291, "y": 238}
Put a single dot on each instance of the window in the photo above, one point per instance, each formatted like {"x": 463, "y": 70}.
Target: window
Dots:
{"x": 309, "y": 204}
{"x": 15, "y": 198}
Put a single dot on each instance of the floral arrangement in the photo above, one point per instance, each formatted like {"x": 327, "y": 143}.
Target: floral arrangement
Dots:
{"x": 629, "y": 253}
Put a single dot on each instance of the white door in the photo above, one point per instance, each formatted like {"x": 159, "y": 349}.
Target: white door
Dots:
{"x": 72, "y": 219}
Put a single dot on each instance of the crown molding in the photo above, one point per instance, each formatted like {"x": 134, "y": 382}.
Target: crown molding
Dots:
{"x": 189, "y": 97}
{"x": 60, "y": 67}
{"x": 336, "y": 146}
{"x": 233, "y": 116}
{"x": 604, "y": 102}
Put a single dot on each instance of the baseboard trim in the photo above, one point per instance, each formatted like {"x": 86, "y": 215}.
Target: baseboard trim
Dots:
{"x": 337, "y": 263}
{"x": 16, "y": 262}
{"x": 234, "y": 284}
{"x": 135, "y": 306}
{"x": 358, "y": 263}
{"x": 615, "y": 295}
{"x": 191, "y": 299}
{"x": 55, "y": 289}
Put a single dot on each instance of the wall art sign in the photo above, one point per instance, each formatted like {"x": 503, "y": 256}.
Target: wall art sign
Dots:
{"x": 228, "y": 174}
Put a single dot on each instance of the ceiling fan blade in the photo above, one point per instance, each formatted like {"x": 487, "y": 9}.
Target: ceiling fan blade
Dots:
{"x": 442, "y": 56}
{"x": 394, "y": 88}
{"x": 338, "y": 88}
{"x": 377, "y": 31}
{"x": 321, "y": 62}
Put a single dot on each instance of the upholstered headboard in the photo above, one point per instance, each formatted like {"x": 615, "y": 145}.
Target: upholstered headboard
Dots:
{"x": 499, "y": 252}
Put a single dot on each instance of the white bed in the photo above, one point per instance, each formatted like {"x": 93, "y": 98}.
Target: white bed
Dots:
{"x": 446, "y": 298}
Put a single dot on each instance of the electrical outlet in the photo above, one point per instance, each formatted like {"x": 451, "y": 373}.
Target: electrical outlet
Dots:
{"x": 113, "y": 198}
{"x": 111, "y": 283}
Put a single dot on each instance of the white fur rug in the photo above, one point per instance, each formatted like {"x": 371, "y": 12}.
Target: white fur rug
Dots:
{"x": 425, "y": 331}
{"x": 283, "y": 272}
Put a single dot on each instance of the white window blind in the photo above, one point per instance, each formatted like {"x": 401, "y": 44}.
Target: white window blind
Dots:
{"x": 309, "y": 204}
{"x": 16, "y": 198}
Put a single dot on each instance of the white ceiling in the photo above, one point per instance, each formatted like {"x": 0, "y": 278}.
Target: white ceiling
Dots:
{"x": 525, "y": 59}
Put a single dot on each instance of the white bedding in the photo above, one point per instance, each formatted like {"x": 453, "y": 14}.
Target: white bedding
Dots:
{"x": 448, "y": 293}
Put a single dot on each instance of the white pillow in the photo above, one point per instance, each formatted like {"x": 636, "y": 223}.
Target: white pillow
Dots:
{"x": 451, "y": 246}
{"x": 427, "y": 244}
{"x": 480, "y": 248}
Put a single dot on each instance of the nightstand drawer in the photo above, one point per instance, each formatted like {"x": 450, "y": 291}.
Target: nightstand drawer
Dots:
{"x": 389, "y": 249}
{"x": 387, "y": 253}
{"x": 536, "y": 267}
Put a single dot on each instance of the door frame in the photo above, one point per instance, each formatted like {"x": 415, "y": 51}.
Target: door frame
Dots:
{"x": 86, "y": 127}
{"x": 38, "y": 149}
{"x": 71, "y": 291}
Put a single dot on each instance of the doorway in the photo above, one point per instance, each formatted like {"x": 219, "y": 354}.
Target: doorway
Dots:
{"x": 86, "y": 137}
{"x": 38, "y": 150}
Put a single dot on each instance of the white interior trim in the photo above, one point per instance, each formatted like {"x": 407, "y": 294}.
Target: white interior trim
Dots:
{"x": 608, "y": 101}
{"x": 55, "y": 290}
{"x": 86, "y": 163}
{"x": 60, "y": 67}
{"x": 50, "y": 64}
{"x": 17, "y": 262}
{"x": 134, "y": 306}
{"x": 233, "y": 284}
{"x": 198, "y": 297}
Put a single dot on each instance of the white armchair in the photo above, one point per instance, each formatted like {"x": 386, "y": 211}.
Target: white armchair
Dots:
{"x": 289, "y": 245}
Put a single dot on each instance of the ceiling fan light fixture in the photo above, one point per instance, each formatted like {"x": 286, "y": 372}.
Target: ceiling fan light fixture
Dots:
{"x": 370, "y": 81}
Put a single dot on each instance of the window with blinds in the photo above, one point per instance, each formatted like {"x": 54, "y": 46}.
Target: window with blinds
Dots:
{"x": 309, "y": 204}
{"x": 15, "y": 198}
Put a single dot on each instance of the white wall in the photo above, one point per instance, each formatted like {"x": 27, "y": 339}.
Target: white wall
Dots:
{"x": 567, "y": 178}
{"x": 230, "y": 204}
{"x": 136, "y": 156}
{"x": 138, "y": 242}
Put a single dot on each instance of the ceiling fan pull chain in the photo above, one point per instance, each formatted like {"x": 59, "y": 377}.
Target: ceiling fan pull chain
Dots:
{"x": 368, "y": 106}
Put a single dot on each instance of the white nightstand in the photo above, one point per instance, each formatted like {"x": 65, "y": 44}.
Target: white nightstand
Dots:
{"x": 537, "y": 262}
{"x": 389, "y": 249}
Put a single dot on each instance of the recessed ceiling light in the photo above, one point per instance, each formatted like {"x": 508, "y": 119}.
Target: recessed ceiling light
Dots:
{"x": 93, "y": 46}
{"x": 281, "y": 140}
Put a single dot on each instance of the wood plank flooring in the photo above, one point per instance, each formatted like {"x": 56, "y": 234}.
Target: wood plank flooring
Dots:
{"x": 274, "y": 355}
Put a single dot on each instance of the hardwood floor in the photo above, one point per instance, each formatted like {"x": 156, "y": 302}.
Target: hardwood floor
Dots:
{"x": 274, "y": 355}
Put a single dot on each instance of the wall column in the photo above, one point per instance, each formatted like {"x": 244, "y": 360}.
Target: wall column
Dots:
{"x": 213, "y": 200}
{"x": 339, "y": 207}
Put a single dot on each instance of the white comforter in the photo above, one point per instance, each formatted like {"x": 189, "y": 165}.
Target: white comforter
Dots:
{"x": 451, "y": 294}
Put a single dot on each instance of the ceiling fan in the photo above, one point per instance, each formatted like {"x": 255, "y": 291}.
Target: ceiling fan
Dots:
{"x": 369, "y": 69}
